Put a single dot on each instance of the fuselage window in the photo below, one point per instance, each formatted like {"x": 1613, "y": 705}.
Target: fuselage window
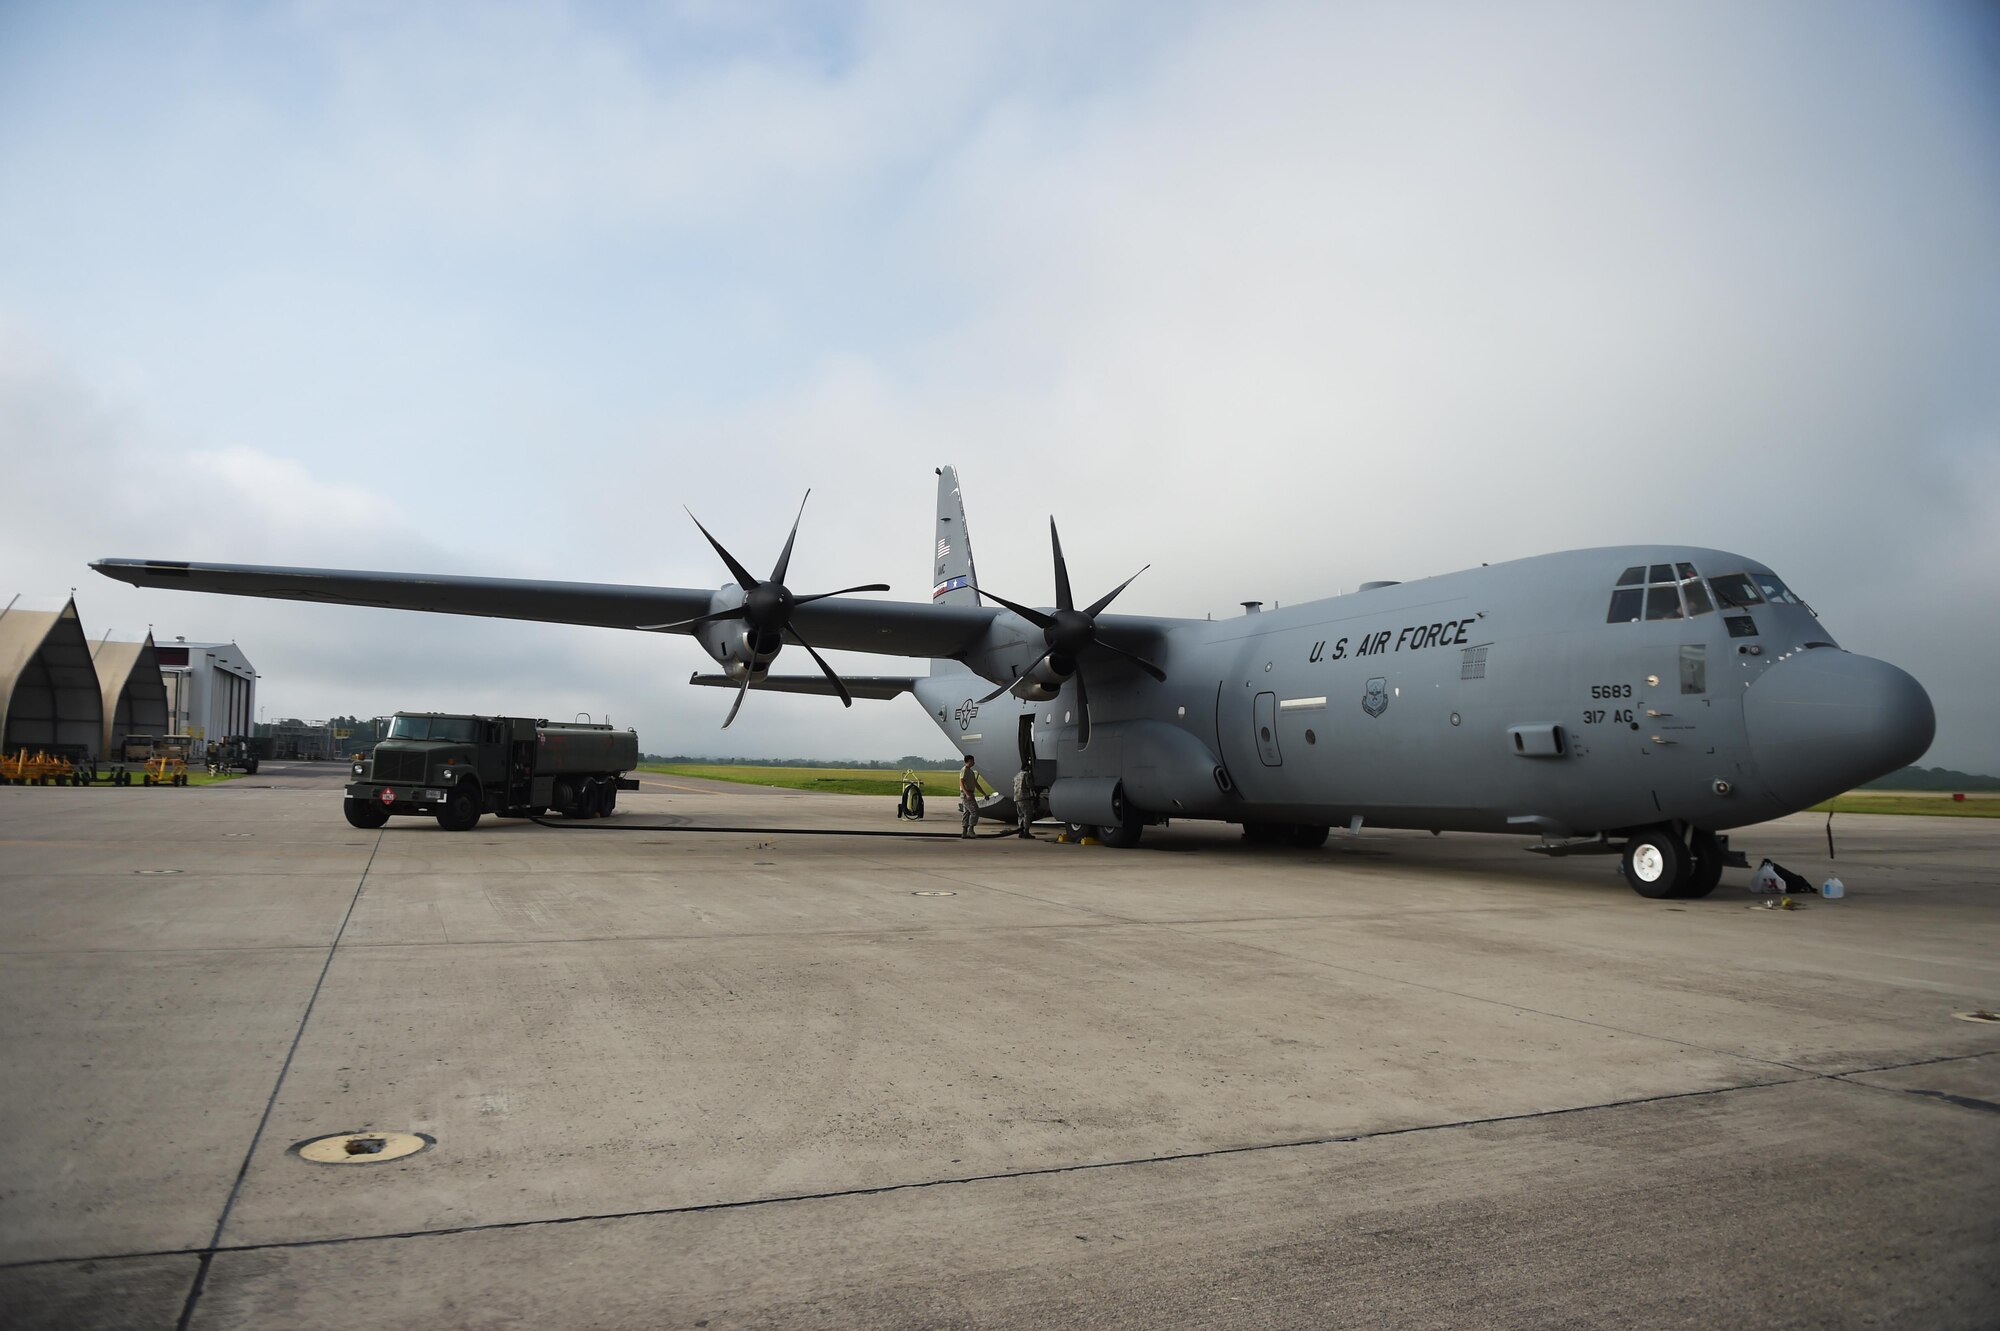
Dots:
{"x": 1661, "y": 573}
{"x": 1697, "y": 597}
{"x": 1632, "y": 577}
{"x": 1663, "y": 602}
{"x": 1694, "y": 668}
{"x": 1627, "y": 603}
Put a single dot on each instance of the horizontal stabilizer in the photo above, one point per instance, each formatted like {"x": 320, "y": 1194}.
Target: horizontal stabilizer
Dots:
{"x": 861, "y": 686}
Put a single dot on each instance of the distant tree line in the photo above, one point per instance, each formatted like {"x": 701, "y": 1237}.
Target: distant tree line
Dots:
{"x": 1933, "y": 778}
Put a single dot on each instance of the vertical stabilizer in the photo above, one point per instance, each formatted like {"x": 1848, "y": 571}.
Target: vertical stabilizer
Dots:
{"x": 954, "y": 580}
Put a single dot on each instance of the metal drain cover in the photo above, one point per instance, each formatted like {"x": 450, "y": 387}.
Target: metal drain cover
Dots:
{"x": 1992, "y": 1018}
{"x": 155, "y": 873}
{"x": 933, "y": 894}
{"x": 362, "y": 1148}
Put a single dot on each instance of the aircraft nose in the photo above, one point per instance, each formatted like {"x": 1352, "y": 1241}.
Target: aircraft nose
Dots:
{"x": 1825, "y": 721}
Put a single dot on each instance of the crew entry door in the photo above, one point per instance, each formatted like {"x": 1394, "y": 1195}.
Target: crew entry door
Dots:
{"x": 1265, "y": 718}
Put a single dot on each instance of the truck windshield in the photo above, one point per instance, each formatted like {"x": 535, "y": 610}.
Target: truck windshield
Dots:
{"x": 432, "y": 727}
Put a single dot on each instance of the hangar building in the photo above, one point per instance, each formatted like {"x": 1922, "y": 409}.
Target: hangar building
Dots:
{"x": 49, "y": 697}
{"x": 211, "y": 690}
{"x": 58, "y": 694}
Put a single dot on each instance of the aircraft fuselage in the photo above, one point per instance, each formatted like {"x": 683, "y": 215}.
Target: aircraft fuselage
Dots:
{"x": 1496, "y": 699}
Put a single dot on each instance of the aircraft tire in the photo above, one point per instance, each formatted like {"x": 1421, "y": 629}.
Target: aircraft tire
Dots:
{"x": 1308, "y": 835}
{"x": 1705, "y": 866}
{"x": 1656, "y": 863}
{"x": 1125, "y": 833}
{"x": 364, "y": 815}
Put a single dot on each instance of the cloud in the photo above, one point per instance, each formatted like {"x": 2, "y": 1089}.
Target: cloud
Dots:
{"x": 1277, "y": 297}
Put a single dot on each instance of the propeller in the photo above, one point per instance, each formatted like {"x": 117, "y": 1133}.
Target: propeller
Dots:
{"x": 1067, "y": 633}
{"x": 767, "y": 610}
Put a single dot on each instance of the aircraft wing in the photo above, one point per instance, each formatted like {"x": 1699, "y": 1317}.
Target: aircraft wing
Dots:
{"x": 860, "y": 686}
{"x": 894, "y": 628}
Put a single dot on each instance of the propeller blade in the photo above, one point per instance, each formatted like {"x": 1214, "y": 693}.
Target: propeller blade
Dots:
{"x": 741, "y": 694}
{"x": 821, "y": 596}
{"x": 846, "y": 699}
{"x": 1112, "y": 595}
{"x": 785, "y": 555}
{"x": 1035, "y": 617}
{"x": 1064, "y": 601}
{"x": 742, "y": 574}
{"x": 1136, "y": 660}
{"x": 1015, "y": 682}
{"x": 733, "y": 612}
{"x": 1082, "y": 712}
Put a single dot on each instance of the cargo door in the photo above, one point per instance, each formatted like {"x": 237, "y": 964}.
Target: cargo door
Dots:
{"x": 1264, "y": 716}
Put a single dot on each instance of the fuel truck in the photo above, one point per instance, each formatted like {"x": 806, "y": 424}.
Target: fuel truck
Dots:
{"x": 458, "y": 768}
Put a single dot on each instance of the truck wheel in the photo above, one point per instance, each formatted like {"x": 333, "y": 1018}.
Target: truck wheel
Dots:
{"x": 250, "y": 768}
{"x": 1656, "y": 863}
{"x": 607, "y": 799}
{"x": 361, "y": 813}
{"x": 461, "y": 810}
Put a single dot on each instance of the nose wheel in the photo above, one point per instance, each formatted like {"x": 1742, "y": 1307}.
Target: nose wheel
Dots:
{"x": 1657, "y": 862}
{"x": 1660, "y": 865}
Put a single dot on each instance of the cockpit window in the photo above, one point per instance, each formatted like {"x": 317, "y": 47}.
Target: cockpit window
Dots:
{"x": 1656, "y": 591}
{"x": 1775, "y": 591}
{"x": 1734, "y": 591}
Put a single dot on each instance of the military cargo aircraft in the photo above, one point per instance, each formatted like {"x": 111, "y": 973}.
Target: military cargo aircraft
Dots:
{"x": 1636, "y": 700}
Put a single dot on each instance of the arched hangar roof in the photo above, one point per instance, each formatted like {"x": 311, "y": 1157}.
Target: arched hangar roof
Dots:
{"x": 132, "y": 694}
{"x": 48, "y": 687}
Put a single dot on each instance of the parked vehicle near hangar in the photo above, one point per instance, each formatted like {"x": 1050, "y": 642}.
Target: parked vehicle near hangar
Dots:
{"x": 458, "y": 768}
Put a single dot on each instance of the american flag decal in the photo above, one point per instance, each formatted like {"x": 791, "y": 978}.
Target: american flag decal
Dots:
{"x": 944, "y": 547}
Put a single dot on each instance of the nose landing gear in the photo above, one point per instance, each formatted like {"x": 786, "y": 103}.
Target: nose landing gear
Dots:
{"x": 1660, "y": 865}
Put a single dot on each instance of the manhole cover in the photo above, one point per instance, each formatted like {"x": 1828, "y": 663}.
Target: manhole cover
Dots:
{"x": 1992, "y": 1018}
{"x": 239, "y": 834}
{"x": 362, "y": 1148}
{"x": 155, "y": 873}
{"x": 933, "y": 894}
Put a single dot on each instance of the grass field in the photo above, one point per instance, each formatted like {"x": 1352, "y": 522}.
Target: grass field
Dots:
{"x": 944, "y": 783}
{"x": 1915, "y": 801}
{"x": 838, "y": 780}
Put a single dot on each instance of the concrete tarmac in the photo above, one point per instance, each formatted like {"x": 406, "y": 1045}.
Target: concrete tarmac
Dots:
{"x": 687, "y": 1079}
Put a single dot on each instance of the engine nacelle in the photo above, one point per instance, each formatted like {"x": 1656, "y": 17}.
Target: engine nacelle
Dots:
{"x": 1046, "y": 680}
{"x": 739, "y": 649}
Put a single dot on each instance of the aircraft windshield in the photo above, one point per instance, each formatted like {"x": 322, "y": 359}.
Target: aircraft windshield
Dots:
{"x": 1735, "y": 591}
{"x": 1658, "y": 591}
{"x": 432, "y": 727}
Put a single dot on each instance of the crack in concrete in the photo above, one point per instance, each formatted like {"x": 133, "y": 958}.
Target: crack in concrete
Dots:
{"x": 207, "y": 1254}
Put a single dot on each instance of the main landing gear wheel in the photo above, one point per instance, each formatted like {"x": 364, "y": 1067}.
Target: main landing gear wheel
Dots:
{"x": 1705, "y": 871}
{"x": 1123, "y": 834}
{"x": 1656, "y": 863}
{"x": 360, "y": 813}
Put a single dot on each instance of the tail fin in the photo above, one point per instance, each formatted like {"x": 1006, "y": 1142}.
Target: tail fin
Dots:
{"x": 956, "y": 581}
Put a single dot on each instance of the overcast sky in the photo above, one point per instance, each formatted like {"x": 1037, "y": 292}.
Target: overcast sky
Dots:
{"x": 1280, "y": 298}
